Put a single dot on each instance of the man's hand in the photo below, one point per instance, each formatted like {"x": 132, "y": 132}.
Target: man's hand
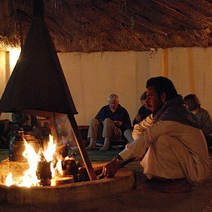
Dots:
{"x": 111, "y": 168}
{"x": 117, "y": 123}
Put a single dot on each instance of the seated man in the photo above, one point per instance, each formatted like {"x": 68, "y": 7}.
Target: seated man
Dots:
{"x": 143, "y": 111}
{"x": 169, "y": 142}
{"x": 111, "y": 122}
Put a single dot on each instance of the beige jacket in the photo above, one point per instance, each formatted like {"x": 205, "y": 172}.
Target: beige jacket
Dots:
{"x": 174, "y": 150}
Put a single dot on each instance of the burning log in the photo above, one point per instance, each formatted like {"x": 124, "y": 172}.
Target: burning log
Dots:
{"x": 69, "y": 167}
{"x": 75, "y": 168}
{"x": 44, "y": 173}
{"x": 63, "y": 180}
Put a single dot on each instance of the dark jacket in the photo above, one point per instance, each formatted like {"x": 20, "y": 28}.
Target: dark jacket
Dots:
{"x": 120, "y": 114}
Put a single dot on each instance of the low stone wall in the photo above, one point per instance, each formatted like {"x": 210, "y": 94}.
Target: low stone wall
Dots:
{"x": 69, "y": 193}
{"x": 16, "y": 168}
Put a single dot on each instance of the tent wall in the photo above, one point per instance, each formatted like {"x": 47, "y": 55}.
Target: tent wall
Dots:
{"x": 92, "y": 77}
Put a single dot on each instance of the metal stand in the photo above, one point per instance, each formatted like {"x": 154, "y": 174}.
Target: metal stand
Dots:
{"x": 82, "y": 149}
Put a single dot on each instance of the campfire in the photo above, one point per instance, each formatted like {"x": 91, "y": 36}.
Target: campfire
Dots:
{"x": 47, "y": 167}
{"x": 38, "y": 87}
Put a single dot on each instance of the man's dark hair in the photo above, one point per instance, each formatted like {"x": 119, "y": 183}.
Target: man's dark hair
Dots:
{"x": 162, "y": 84}
{"x": 143, "y": 96}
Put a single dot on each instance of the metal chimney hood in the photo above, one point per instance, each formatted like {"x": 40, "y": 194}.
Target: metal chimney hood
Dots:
{"x": 37, "y": 85}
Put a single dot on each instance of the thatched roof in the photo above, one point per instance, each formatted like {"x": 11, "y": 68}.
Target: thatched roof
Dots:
{"x": 112, "y": 25}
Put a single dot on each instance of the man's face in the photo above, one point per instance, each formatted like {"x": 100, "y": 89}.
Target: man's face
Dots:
{"x": 143, "y": 103}
{"x": 113, "y": 104}
{"x": 153, "y": 101}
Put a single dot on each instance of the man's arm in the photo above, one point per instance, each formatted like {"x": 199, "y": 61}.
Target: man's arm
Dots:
{"x": 138, "y": 147}
{"x": 125, "y": 119}
{"x": 140, "y": 127}
{"x": 124, "y": 157}
{"x": 114, "y": 165}
{"x": 101, "y": 115}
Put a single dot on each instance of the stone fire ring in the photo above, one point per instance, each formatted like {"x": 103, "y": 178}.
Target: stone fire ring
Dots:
{"x": 69, "y": 193}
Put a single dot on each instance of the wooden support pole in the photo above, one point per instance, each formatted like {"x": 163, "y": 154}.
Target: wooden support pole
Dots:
{"x": 82, "y": 149}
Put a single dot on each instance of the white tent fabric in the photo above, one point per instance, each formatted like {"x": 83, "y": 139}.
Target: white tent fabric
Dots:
{"x": 92, "y": 77}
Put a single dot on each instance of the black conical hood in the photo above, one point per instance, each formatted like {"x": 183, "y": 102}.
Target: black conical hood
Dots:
{"x": 37, "y": 84}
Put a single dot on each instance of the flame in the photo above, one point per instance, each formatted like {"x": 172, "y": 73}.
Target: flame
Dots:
{"x": 59, "y": 167}
{"x": 30, "y": 178}
{"x": 56, "y": 172}
{"x": 9, "y": 180}
{"x": 48, "y": 154}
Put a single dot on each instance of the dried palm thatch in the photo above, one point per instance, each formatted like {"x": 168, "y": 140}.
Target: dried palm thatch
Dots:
{"x": 112, "y": 25}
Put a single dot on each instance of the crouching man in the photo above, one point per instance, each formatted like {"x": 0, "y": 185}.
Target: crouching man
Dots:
{"x": 169, "y": 142}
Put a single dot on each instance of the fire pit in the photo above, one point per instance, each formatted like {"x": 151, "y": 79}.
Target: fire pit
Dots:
{"x": 67, "y": 193}
{"x": 31, "y": 165}
{"x": 67, "y": 182}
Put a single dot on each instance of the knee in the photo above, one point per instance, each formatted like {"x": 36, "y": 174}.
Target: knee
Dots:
{"x": 128, "y": 132}
{"x": 94, "y": 121}
{"x": 166, "y": 141}
{"x": 128, "y": 135}
{"x": 163, "y": 139}
{"x": 107, "y": 121}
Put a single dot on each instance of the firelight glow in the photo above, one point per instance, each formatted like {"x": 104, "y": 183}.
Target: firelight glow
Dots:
{"x": 9, "y": 180}
{"x": 30, "y": 178}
